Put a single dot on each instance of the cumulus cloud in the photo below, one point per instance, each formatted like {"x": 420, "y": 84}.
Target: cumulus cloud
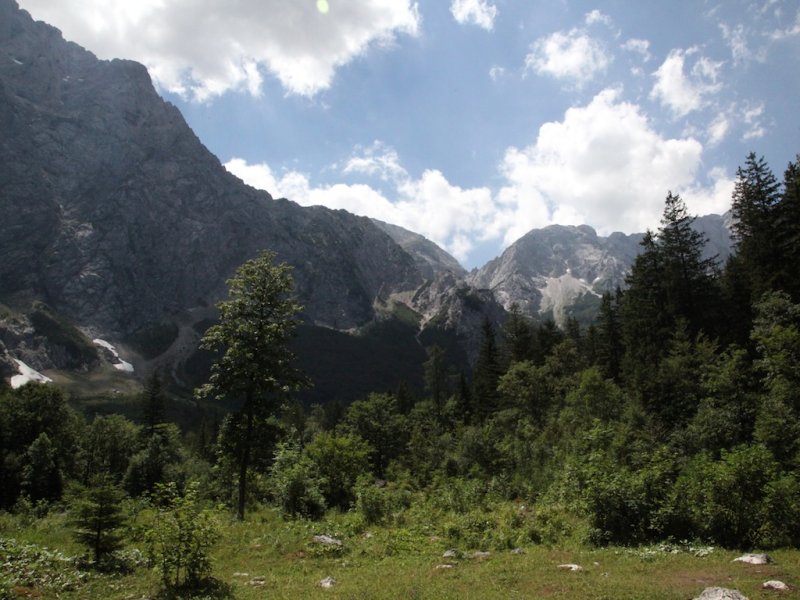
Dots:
{"x": 203, "y": 48}
{"x": 685, "y": 92}
{"x": 451, "y": 216}
{"x": 477, "y": 12}
{"x": 573, "y": 55}
{"x": 604, "y": 165}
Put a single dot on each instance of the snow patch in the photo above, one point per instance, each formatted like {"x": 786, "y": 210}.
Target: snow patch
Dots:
{"x": 120, "y": 365}
{"x": 26, "y": 375}
{"x": 17, "y": 61}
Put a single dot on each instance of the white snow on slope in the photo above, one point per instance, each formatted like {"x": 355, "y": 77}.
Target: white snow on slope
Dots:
{"x": 26, "y": 374}
{"x": 120, "y": 365}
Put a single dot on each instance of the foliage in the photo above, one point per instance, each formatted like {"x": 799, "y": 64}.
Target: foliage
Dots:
{"x": 98, "y": 517}
{"x": 180, "y": 538}
{"x": 295, "y": 483}
{"x": 339, "y": 460}
{"x": 255, "y": 327}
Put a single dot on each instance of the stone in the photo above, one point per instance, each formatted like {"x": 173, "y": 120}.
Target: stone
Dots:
{"x": 451, "y": 553}
{"x": 754, "y": 559}
{"x": 774, "y": 584}
{"x": 443, "y": 567}
{"x": 518, "y": 551}
{"x": 718, "y": 593}
{"x": 326, "y": 540}
{"x": 480, "y": 555}
{"x": 571, "y": 567}
{"x": 327, "y": 583}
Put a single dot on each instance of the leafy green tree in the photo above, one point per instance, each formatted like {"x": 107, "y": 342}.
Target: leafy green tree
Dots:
{"x": 41, "y": 477}
{"x": 340, "y": 460}
{"x": 524, "y": 387}
{"x": 157, "y": 463}
{"x": 256, "y": 324}
{"x": 295, "y": 482}
{"x": 107, "y": 447}
{"x": 378, "y": 421}
{"x": 97, "y": 515}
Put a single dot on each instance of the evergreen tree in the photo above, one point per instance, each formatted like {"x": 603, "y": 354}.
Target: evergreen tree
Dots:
{"x": 98, "y": 517}
{"x": 519, "y": 340}
{"x": 487, "y": 374}
{"x": 787, "y": 232}
{"x": 609, "y": 337}
{"x": 436, "y": 376}
{"x": 755, "y": 201}
{"x": 256, "y": 325}
{"x": 153, "y": 403}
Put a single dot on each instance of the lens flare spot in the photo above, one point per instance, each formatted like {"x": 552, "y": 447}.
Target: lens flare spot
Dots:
{"x": 322, "y": 6}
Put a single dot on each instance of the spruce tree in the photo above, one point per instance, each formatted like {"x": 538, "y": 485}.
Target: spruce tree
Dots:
{"x": 487, "y": 374}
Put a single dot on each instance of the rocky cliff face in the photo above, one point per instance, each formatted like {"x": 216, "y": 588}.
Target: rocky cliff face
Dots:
{"x": 429, "y": 258}
{"x": 116, "y": 214}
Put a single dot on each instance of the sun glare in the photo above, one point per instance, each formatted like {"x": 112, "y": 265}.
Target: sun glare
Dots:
{"x": 322, "y": 6}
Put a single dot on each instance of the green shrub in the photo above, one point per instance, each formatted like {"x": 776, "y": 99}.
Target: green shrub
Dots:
{"x": 180, "y": 538}
{"x": 295, "y": 483}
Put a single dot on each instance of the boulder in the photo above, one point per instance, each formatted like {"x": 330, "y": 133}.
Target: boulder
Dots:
{"x": 775, "y": 585}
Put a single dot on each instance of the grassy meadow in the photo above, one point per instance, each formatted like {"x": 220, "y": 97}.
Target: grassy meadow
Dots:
{"x": 267, "y": 556}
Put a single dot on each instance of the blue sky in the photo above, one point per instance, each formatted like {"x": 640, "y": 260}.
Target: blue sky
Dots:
{"x": 471, "y": 121}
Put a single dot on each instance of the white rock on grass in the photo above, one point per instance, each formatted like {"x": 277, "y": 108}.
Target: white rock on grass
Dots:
{"x": 326, "y": 540}
{"x": 754, "y": 559}
{"x": 327, "y": 583}
{"x": 571, "y": 567}
{"x": 444, "y": 567}
{"x": 718, "y": 593}
{"x": 451, "y": 553}
{"x": 775, "y": 585}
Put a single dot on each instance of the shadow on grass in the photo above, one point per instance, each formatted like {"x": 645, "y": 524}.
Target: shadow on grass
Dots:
{"x": 208, "y": 589}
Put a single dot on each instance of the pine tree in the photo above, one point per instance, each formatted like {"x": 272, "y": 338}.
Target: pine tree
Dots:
{"x": 153, "y": 403}
{"x": 436, "y": 376}
{"x": 487, "y": 374}
{"x": 755, "y": 200}
{"x": 98, "y": 517}
{"x": 519, "y": 339}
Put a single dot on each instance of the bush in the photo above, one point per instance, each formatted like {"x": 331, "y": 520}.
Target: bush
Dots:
{"x": 296, "y": 484}
{"x": 180, "y": 539}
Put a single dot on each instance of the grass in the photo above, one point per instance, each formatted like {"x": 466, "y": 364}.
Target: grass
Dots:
{"x": 269, "y": 557}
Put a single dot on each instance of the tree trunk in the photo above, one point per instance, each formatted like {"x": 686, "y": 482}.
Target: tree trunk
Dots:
{"x": 244, "y": 459}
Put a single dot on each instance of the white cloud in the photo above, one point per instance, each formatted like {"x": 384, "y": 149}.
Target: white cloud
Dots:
{"x": 451, "y": 216}
{"x": 681, "y": 92}
{"x": 378, "y": 159}
{"x": 496, "y": 72}
{"x": 573, "y": 55}
{"x": 718, "y": 129}
{"x": 638, "y": 46}
{"x": 204, "y": 48}
{"x": 603, "y": 165}
{"x": 595, "y": 16}
{"x": 752, "y": 117}
{"x": 478, "y": 12}
{"x": 790, "y": 31}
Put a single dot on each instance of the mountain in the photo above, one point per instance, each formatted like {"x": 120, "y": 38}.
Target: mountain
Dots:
{"x": 429, "y": 258}
{"x": 118, "y": 224}
{"x": 562, "y": 271}
{"x": 118, "y": 230}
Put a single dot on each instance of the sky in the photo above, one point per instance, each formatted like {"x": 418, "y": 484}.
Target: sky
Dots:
{"x": 471, "y": 121}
